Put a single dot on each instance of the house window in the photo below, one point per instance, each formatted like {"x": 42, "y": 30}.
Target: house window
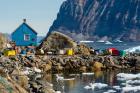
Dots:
{"x": 26, "y": 37}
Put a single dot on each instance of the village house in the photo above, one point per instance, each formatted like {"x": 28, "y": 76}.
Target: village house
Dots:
{"x": 24, "y": 35}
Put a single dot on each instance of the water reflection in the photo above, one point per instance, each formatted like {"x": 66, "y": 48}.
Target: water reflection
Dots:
{"x": 77, "y": 85}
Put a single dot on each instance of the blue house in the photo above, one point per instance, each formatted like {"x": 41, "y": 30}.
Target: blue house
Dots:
{"x": 24, "y": 35}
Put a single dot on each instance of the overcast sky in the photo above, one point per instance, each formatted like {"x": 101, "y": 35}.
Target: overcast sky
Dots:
{"x": 39, "y": 14}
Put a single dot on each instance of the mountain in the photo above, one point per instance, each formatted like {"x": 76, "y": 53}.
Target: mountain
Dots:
{"x": 99, "y": 19}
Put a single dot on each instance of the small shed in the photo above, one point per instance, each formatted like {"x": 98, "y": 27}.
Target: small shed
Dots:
{"x": 24, "y": 35}
{"x": 122, "y": 53}
{"x": 113, "y": 51}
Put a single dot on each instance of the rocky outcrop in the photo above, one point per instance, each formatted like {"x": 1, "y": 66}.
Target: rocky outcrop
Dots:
{"x": 56, "y": 41}
{"x": 97, "y": 19}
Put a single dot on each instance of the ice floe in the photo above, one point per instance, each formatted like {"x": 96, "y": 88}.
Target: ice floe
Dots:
{"x": 117, "y": 87}
{"x": 133, "y": 82}
{"x": 125, "y": 76}
{"x": 129, "y": 89}
{"x": 111, "y": 91}
{"x": 130, "y": 83}
{"x": 58, "y": 77}
{"x": 95, "y": 85}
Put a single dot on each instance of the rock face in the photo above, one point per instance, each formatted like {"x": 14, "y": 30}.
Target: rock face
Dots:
{"x": 56, "y": 41}
{"x": 99, "y": 19}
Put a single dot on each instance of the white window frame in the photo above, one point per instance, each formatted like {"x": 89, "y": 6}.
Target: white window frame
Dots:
{"x": 25, "y": 39}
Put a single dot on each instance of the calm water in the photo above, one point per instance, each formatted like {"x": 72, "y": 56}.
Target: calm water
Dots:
{"x": 120, "y": 46}
{"x": 77, "y": 85}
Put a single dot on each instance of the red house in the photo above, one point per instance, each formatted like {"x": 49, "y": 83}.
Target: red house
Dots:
{"x": 113, "y": 51}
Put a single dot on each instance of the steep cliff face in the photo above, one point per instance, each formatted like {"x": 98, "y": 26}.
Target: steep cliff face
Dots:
{"x": 99, "y": 19}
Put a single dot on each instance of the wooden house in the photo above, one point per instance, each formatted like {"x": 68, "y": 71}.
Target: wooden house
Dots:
{"x": 24, "y": 35}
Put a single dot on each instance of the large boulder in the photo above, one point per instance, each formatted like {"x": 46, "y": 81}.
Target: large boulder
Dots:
{"x": 56, "y": 41}
{"x": 82, "y": 49}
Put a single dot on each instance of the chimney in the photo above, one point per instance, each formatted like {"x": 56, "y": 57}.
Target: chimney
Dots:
{"x": 24, "y": 20}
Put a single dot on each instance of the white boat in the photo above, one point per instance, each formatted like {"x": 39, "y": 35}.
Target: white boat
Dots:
{"x": 108, "y": 42}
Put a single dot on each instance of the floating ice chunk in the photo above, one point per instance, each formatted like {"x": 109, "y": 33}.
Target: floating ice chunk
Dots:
{"x": 59, "y": 77}
{"x": 128, "y": 89}
{"x": 126, "y": 84}
{"x": 123, "y": 84}
{"x": 105, "y": 92}
{"x": 96, "y": 85}
{"x": 87, "y": 87}
{"x": 117, "y": 87}
{"x": 111, "y": 91}
{"x": 87, "y": 73}
{"x": 125, "y": 76}
{"x": 133, "y": 81}
{"x": 100, "y": 85}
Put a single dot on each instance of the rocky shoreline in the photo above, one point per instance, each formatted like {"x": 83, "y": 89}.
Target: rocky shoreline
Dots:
{"x": 28, "y": 74}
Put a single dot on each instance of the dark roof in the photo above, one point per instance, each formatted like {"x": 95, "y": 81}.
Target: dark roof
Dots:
{"x": 27, "y": 26}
